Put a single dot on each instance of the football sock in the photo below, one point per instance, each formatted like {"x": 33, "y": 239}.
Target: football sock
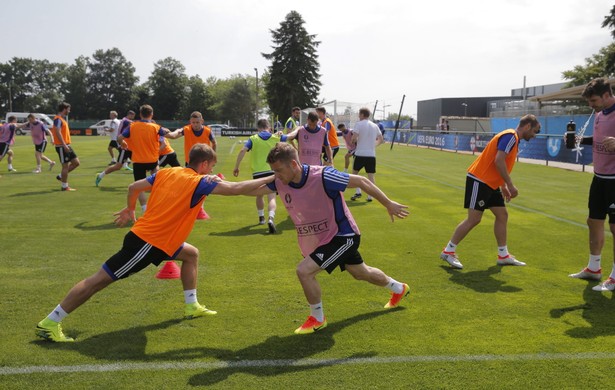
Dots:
{"x": 612, "y": 275}
{"x": 450, "y": 247}
{"x": 38, "y": 167}
{"x": 503, "y": 251}
{"x": 395, "y": 286}
{"x": 190, "y": 296}
{"x": 317, "y": 312}
{"x": 102, "y": 174}
{"x": 64, "y": 185}
{"x": 594, "y": 263}
{"x": 261, "y": 213}
{"x": 358, "y": 191}
{"x": 10, "y": 166}
{"x": 272, "y": 214}
{"x": 58, "y": 314}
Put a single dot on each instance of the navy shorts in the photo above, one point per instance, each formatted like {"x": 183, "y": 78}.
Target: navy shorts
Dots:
{"x": 479, "y": 196}
{"x": 4, "y": 148}
{"x": 139, "y": 170}
{"x": 41, "y": 147}
{"x": 169, "y": 159}
{"x": 124, "y": 155}
{"x": 360, "y": 162}
{"x": 602, "y": 199}
{"x": 339, "y": 251}
{"x": 64, "y": 156}
{"x": 135, "y": 255}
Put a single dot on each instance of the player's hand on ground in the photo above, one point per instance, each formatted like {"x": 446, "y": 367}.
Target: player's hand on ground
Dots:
{"x": 397, "y": 210}
{"x": 124, "y": 217}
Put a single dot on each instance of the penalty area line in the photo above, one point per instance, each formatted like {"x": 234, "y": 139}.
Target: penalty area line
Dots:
{"x": 114, "y": 367}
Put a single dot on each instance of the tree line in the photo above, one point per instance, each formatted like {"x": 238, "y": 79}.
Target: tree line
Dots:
{"x": 107, "y": 81}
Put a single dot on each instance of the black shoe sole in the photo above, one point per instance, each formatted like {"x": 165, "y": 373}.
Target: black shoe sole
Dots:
{"x": 271, "y": 226}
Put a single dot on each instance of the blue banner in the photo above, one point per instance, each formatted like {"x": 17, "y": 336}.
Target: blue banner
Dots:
{"x": 543, "y": 147}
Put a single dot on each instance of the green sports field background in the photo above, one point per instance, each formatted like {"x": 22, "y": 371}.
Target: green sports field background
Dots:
{"x": 481, "y": 327}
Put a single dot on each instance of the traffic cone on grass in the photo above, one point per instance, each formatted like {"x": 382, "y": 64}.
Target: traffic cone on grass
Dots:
{"x": 169, "y": 270}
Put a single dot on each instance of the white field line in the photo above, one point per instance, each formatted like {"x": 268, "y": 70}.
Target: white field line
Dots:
{"x": 514, "y": 205}
{"x": 182, "y": 365}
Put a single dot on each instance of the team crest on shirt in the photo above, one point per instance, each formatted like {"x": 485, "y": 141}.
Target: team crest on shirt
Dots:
{"x": 287, "y": 198}
{"x": 481, "y": 203}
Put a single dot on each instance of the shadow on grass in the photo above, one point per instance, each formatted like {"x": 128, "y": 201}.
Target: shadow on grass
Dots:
{"x": 32, "y": 193}
{"x": 256, "y": 229}
{"x": 359, "y": 203}
{"x": 274, "y": 356}
{"x": 597, "y": 311}
{"x": 105, "y": 226}
{"x": 113, "y": 189}
{"x": 480, "y": 281}
{"x": 280, "y": 355}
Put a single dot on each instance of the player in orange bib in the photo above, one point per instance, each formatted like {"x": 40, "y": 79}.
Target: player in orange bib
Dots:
{"x": 334, "y": 142}
{"x": 194, "y": 133}
{"x": 488, "y": 186}
{"x": 61, "y": 140}
{"x": 176, "y": 196}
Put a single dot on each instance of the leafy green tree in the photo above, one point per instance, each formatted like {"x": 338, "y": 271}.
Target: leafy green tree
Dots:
{"x": 110, "y": 82}
{"x": 31, "y": 85}
{"x": 168, "y": 84}
{"x": 198, "y": 98}
{"x": 234, "y": 100}
{"x": 75, "y": 89}
{"x": 609, "y": 21}
{"x": 293, "y": 75}
{"x": 595, "y": 66}
{"x": 141, "y": 96}
{"x": 601, "y": 64}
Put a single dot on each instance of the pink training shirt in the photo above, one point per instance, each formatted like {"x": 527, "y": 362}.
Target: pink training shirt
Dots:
{"x": 6, "y": 134}
{"x": 38, "y": 132}
{"x": 318, "y": 216}
{"x": 310, "y": 144}
{"x": 604, "y": 162}
{"x": 350, "y": 146}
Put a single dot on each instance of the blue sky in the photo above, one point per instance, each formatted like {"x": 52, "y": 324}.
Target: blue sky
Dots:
{"x": 369, "y": 50}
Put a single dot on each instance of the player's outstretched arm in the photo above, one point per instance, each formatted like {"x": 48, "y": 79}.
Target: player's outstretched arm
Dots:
{"x": 174, "y": 134}
{"x": 292, "y": 135}
{"x": 393, "y": 208}
{"x": 127, "y": 214}
{"x": 239, "y": 158}
{"x": 247, "y": 187}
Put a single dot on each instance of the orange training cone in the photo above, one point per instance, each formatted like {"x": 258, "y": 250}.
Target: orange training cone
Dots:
{"x": 170, "y": 270}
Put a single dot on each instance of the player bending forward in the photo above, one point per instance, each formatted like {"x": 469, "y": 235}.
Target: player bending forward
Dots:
{"x": 176, "y": 197}
{"x": 328, "y": 235}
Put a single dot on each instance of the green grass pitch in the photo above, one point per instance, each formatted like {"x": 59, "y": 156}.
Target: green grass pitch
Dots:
{"x": 482, "y": 327}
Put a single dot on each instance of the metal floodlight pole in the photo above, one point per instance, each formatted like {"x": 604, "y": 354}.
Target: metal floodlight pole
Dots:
{"x": 256, "y": 113}
{"x": 374, "y": 112}
{"x": 397, "y": 121}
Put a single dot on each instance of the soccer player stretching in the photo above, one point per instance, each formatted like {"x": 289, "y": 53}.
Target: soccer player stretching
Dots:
{"x": 328, "y": 235}
{"x": 158, "y": 235}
